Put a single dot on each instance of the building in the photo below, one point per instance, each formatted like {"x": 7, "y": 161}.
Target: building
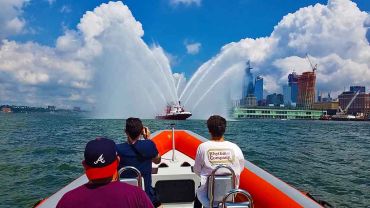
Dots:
{"x": 360, "y": 105}
{"x": 77, "y": 109}
{"x": 275, "y": 99}
{"x": 248, "y": 86}
{"x": 306, "y": 90}
{"x": 51, "y": 108}
{"x": 330, "y": 107}
{"x": 287, "y": 92}
{"x": 6, "y": 109}
{"x": 362, "y": 89}
{"x": 249, "y": 101}
{"x": 258, "y": 88}
{"x": 293, "y": 84}
{"x": 277, "y": 113}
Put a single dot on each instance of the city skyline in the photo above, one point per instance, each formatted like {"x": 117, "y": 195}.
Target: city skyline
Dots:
{"x": 40, "y": 64}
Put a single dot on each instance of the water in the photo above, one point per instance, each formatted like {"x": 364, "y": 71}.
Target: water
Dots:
{"x": 40, "y": 153}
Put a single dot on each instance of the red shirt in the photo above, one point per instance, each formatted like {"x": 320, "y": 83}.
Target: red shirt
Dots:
{"x": 114, "y": 194}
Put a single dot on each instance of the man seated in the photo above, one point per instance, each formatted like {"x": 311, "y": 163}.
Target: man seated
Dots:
{"x": 140, "y": 154}
{"x": 206, "y": 159}
{"x": 103, "y": 189}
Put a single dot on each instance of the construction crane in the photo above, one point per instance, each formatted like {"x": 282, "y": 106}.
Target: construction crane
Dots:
{"x": 350, "y": 102}
{"x": 314, "y": 68}
{"x": 342, "y": 114}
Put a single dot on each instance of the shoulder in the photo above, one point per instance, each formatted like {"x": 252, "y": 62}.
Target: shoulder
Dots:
{"x": 235, "y": 147}
{"x": 127, "y": 189}
{"x": 71, "y": 196}
{"x": 122, "y": 147}
{"x": 147, "y": 143}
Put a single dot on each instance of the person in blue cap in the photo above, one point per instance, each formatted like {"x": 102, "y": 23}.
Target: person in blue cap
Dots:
{"x": 103, "y": 189}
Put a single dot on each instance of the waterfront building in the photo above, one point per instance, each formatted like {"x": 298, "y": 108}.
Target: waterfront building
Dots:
{"x": 258, "y": 88}
{"x": 51, "y": 108}
{"x": 360, "y": 105}
{"x": 275, "y": 99}
{"x": 330, "y": 107}
{"x": 277, "y": 113}
{"x": 362, "y": 89}
{"x": 306, "y": 90}
{"x": 77, "y": 109}
{"x": 249, "y": 101}
{"x": 6, "y": 109}
{"x": 287, "y": 93}
{"x": 293, "y": 84}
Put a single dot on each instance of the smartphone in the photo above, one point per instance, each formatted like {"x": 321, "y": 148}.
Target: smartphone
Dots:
{"x": 145, "y": 132}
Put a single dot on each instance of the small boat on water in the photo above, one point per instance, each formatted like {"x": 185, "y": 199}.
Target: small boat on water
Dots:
{"x": 176, "y": 183}
{"x": 174, "y": 112}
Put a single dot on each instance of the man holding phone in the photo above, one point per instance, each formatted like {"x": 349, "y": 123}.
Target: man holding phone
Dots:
{"x": 139, "y": 153}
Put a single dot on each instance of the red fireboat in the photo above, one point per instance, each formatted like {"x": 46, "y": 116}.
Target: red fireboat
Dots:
{"x": 174, "y": 112}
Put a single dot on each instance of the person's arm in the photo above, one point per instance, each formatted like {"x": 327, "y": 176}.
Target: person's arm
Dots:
{"x": 157, "y": 159}
{"x": 241, "y": 160}
{"x": 198, "y": 164}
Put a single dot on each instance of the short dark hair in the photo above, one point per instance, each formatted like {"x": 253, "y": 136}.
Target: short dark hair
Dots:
{"x": 134, "y": 127}
{"x": 216, "y": 125}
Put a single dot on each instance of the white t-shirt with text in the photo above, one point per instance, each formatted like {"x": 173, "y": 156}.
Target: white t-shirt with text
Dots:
{"x": 209, "y": 155}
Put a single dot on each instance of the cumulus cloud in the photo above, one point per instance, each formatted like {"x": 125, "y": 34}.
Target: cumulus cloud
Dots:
{"x": 105, "y": 61}
{"x": 335, "y": 36}
{"x": 185, "y": 2}
{"x": 11, "y": 22}
{"x": 192, "y": 48}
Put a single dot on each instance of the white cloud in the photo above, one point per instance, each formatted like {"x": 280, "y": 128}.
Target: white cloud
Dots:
{"x": 334, "y": 35}
{"x": 185, "y": 2}
{"x": 65, "y": 9}
{"x": 192, "y": 48}
{"x": 105, "y": 59}
{"x": 11, "y": 22}
{"x": 51, "y": 2}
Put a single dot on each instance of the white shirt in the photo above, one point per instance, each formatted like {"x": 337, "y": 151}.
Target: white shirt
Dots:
{"x": 211, "y": 154}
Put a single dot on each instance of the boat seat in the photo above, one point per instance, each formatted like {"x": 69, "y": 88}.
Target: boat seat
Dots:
{"x": 137, "y": 181}
{"x": 231, "y": 204}
{"x": 220, "y": 185}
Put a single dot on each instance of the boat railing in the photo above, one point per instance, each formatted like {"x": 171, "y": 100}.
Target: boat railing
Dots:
{"x": 138, "y": 181}
{"x": 246, "y": 204}
{"x": 220, "y": 185}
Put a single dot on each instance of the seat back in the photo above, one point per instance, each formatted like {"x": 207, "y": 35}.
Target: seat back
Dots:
{"x": 138, "y": 181}
{"x": 231, "y": 204}
{"x": 220, "y": 185}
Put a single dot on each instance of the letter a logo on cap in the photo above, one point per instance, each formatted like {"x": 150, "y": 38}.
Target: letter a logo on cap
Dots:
{"x": 100, "y": 159}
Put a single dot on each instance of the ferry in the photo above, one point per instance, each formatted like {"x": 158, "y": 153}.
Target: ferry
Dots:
{"x": 174, "y": 112}
{"x": 176, "y": 183}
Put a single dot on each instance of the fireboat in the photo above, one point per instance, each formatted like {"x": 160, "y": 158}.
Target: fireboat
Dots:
{"x": 174, "y": 112}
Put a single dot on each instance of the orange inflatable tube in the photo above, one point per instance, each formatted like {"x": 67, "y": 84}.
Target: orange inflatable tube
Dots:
{"x": 264, "y": 193}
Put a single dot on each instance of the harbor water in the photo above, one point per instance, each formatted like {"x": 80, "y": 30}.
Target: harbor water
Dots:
{"x": 42, "y": 152}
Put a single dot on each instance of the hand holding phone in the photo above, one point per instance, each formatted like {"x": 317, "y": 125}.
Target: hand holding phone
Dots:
{"x": 146, "y": 132}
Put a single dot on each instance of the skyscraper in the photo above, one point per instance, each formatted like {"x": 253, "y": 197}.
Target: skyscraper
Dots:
{"x": 287, "y": 91}
{"x": 248, "y": 99}
{"x": 248, "y": 87}
{"x": 293, "y": 84}
{"x": 258, "y": 88}
{"x": 306, "y": 89}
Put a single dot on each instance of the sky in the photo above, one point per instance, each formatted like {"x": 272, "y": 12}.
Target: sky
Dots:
{"x": 274, "y": 34}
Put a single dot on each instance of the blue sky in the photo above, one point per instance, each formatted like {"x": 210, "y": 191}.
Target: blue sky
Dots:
{"x": 212, "y": 23}
{"x": 56, "y": 52}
